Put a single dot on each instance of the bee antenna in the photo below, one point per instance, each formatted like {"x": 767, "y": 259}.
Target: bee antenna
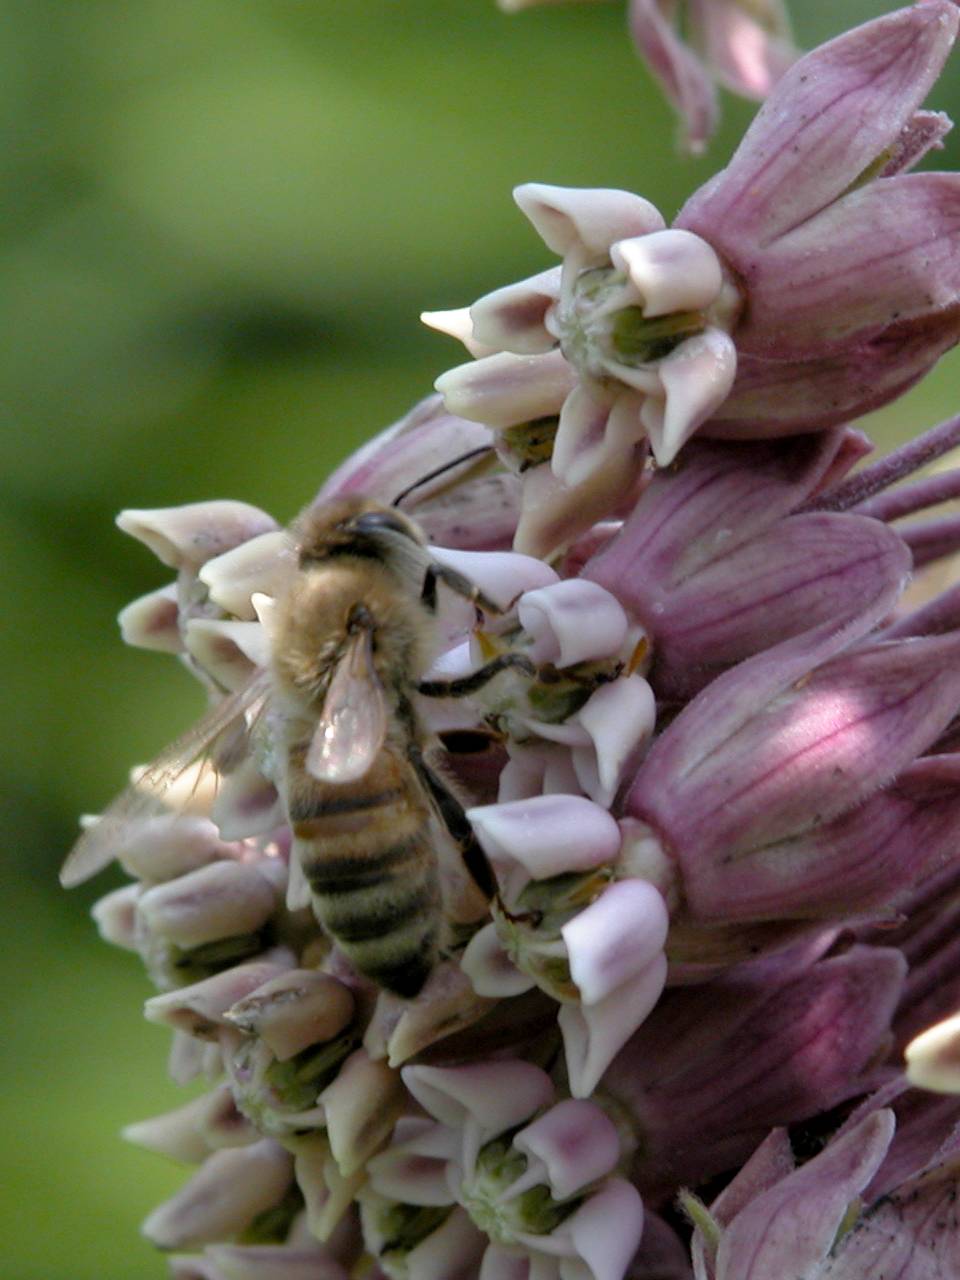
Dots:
{"x": 439, "y": 471}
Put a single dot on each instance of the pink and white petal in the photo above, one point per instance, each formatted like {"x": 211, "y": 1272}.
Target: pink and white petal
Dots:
{"x": 566, "y": 733}
{"x": 748, "y": 50}
{"x": 553, "y": 514}
{"x": 221, "y": 900}
{"x": 490, "y": 969}
{"x": 504, "y": 389}
{"x": 230, "y": 1189}
{"x": 824, "y": 124}
{"x": 672, "y": 270}
{"x": 162, "y": 848}
{"x": 580, "y": 432}
{"x": 247, "y": 804}
{"x": 585, "y": 221}
{"x": 229, "y": 651}
{"x": 153, "y": 621}
{"x": 265, "y": 563}
{"x": 199, "y": 1008}
{"x": 594, "y": 1034}
{"x": 888, "y": 251}
{"x": 681, "y": 74}
{"x": 186, "y": 537}
{"x": 458, "y": 324}
{"x": 500, "y": 1263}
{"x": 546, "y": 835}
{"x": 501, "y": 575}
{"x": 572, "y": 621}
{"x": 618, "y": 717}
{"x": 115, "y": 915}
{"x": 534, "y": 770}
{"x": 495, "y": 1095}
{"x": 522, "y": 776}
{"x": 603, "y": 1233}
{"x": 696, "y": 377}
{"x": 361, "y": 1106}
{"x": 512, "y": 318}
{"x": 575, "y": 1143}
{"x": 176, "y": 1134}
{"x": 452, "y": 1252}
{"x": 274, "y": 1262}
{"x": 593, "y": 431}
{"x": 416, "y": 1172}
{"x": 615, "y": 938}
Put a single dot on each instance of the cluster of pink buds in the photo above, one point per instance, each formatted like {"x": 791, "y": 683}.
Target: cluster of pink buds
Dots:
{"x": 697, "y": 972}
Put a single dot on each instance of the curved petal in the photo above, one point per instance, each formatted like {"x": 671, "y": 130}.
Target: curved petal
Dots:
{"x": 823, "y": 125}
{"x": 585, "y": 221}
{"x": 615, "y": 938}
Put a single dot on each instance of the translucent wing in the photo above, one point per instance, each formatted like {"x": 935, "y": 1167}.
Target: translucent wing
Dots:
{"x": 353, "y": 724}
{"x": 211, "y": 747}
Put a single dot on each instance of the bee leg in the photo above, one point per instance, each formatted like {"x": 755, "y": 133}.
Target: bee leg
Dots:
{"x": 455, "y": 820}
{"x": 460, "y": 585}
{"x": 465, "y": 685}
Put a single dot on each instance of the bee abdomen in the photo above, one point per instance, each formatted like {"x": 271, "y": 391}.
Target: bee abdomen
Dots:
{"x": 383, "y": 909}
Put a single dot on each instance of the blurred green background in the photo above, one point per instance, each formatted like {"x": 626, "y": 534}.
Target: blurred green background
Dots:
{"x": 220, "y": 221}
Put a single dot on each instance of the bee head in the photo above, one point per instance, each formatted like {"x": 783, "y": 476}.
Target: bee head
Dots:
{"x": 358, "y": 527}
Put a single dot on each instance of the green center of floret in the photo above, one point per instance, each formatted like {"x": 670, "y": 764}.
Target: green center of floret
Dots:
{"x": 532, "y": 1212}
{"x": 603, "y": 324}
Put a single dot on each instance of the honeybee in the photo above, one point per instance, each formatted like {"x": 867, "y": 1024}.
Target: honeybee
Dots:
{"x": 350, "y": 641}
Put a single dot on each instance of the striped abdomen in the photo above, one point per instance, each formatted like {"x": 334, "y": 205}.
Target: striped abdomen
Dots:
{"x": 366, "y": 851}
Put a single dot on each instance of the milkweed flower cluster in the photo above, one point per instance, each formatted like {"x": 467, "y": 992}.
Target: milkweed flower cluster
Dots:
{"x": 713, "y": 777}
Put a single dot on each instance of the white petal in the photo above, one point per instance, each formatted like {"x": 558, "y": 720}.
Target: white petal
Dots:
{"x": 585, "y": 220}
{"x": 497, "y": 1095}
{"x": 504, "y": 389}
{"x": 615, "y": 938}
{"x": 576, "y": 1143}
{"x": 452, "y": 1252}
{"x": 490, "y": 969}
{"x": 501, "y": 575}
{"x": 572, "y": 621}
{"x": 153, "y": 621}
{"x": 594, "y": 1034}
{"x": 547, "y": 835}
{"x": 512, "y": 318}
{"x": 265, "y": 563}
{"x": 457, "y": 324}
{"x": 190, "y": 535}
{"x": 696, "y": 378}
{"x": 673, "y": 270}
{"x": 618, "y": 717}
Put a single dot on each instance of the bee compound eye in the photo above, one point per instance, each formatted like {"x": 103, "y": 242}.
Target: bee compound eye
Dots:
{"x": 374, "y": 522}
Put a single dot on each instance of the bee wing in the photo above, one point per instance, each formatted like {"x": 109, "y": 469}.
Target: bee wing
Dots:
{"x": 353, "y": 723}
{"x": 156, "y": 790}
